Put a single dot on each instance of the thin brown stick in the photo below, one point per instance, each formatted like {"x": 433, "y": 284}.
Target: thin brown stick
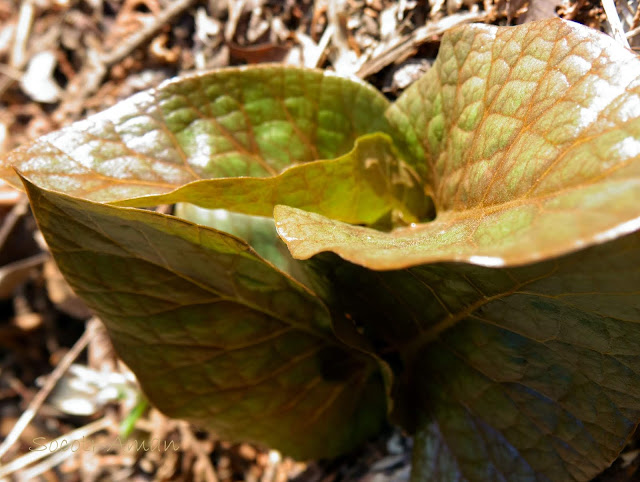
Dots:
{"x": 32, "y": 457}
{"x": 20, "y": 209}
{"x": 192, "y": 442}
{"x": 402, "y": 48}
{"x": 54, "y": 459}
{"x": 133, "y": 41}
{"x": 634, "y": 32}
{"x": 614, "y": 21}
{"x": 93, "y": 72}
{"x": 44, "y": 392}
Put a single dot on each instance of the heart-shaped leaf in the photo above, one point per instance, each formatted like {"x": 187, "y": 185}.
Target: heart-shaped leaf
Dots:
{"x": 215, "y": 334}
{"x": 510, "y": 374}
{"x": 228, "y": 123}
{"x": 528, "y": 139}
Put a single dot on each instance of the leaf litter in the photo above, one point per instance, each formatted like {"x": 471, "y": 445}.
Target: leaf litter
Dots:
{"x": 61, "y": 60}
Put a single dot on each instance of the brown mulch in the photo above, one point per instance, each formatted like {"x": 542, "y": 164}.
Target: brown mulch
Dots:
{"x": 61, "y": 60}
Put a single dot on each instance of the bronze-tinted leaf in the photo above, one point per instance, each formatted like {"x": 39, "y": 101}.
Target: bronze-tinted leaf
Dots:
{"x": 528, "y": 139}
{"x": 524, "y": 368}
{"x": 227, "y": 123}
{"x": 509, "y": 374}
{"x": 539, "y": 376}
{"x": 215, "y": 334}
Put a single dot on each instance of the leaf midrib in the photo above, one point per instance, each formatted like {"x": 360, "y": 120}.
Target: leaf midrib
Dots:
{"x": 479, "y": 212}
{"x": 411, "y": 349}
{"x": 129, "y": 254}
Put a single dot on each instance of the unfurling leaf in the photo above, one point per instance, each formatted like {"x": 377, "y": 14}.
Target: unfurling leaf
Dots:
{"x": 359, "y": 187}
{"x": 528, "y": 139}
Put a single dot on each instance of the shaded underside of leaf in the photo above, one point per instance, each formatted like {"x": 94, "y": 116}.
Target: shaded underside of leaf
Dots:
{"x": 229, "y": 123}
{"x": 259, "y": 232}
{"x": 214, "y": 333}
{"x": 540, "y": 378}
{"x": 510, "y": 374}
{"x": 359, "y": 187}
{"x": 527, "y": 137}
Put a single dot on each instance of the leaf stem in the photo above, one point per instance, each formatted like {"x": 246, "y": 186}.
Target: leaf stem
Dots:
{"x": 422, "y": 456}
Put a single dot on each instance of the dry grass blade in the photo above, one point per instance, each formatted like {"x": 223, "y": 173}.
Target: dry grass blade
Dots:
{"x": 32, "y": 457}
{"x": 44, "y": 392}
{"x": 25, "y": 21}
{"x": 615, "y": 23}
{"x": 31, "y": 473}
{"x": 403, "y": 47}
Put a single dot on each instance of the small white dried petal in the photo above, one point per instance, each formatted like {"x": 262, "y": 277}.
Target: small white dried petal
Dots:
{"x": 388, "y": 22}
{"x": 38, "y": 82}
{"x": 206, "y": 27}
{"x": 83, "y": 391}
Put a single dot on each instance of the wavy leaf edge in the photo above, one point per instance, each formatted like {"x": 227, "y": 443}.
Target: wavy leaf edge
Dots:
{"x": 516, "y": 171}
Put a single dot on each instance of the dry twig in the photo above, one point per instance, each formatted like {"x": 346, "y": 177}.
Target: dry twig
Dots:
{"x": 191, "y": 441}
{"x": 32, "y": 457}
{"x": 403, "y": 47}
{"x": 135, "y": 40}
{"x": 44, "y": 392}
{"x": 95, "y": 68}
{"x": 615, "y": 23}
{"x": 20, "y": 209}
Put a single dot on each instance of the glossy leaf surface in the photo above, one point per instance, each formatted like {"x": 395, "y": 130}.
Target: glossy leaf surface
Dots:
{"x": 359, "y": 187}
{"x": 228, "y": 123}
{"x": 511, "y": 374}
{"x": 215, "y": 334}
{"x": 237, "y": 122}
{"x": 528, "y": 139}
{"x": 525, "y": 373}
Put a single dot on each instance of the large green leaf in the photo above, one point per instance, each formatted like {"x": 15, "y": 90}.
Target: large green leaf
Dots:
{"x": 260, "y": 233}
{"x": 539, "y": 379}
{"x": 362, "y": 186}
{"x": 510, "y": 374}
{"x": 215, "y": 334}
{"x": 528, "y": 139}
{"x": 238, "y": 122}
{"x": 227, "y": 123}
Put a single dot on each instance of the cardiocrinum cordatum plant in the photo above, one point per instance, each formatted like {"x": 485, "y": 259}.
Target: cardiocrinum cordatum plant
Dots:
{"x": 464, "y": 261}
